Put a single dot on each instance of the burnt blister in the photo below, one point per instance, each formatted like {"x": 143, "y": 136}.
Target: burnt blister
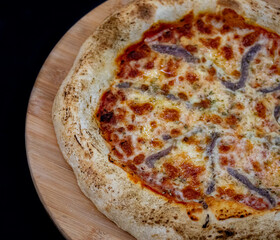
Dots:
{"x": 107, "y": 117}
{"x": 175, "y": 51}
{"x": 151, "y": 160}
{"x": 207, "y": 220}
{"x": 245, "y": 63}
{"x": 245, "y": 181}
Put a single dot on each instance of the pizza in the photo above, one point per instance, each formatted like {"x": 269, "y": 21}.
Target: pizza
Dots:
{"x": 170, "y": 119}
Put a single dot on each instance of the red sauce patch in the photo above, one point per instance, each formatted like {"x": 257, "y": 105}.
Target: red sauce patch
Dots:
{"x": 185, "y": 26}
{"x": 191, "y": 193}
{"x": 232, "y": 19}
{"x": 231, "y": 120}
{"x": 132, "y": 53}
{"x": 117, "y": 153}
{"x": 227, "y": 161}
{"x": 236, "y": 73}
{"x": 131, "y": 127}
{"x": 141, "y": 109}
{"x": 149, "y": 65}
{"x": 191, "y": 140}
{"x": 227, "y": 52}
{"x": 153, "y": 124}
{"x": 191, "y": 48}
{"x": 175, "y": 132}
{"x": 255, "y": 202}
{"x": 251, "y": 201}
{"x": 225, "y": 28}
{"x": 139, "y": 159}
{"x": 121, "y": 129}
{"x": 135, "y": 55}
{"x": 170, "y": 170}
{"x": 273, "y": 48}
{"x": 108, "y": 101}
{"x": 261, "y": 110}
{"x": 183, "y": 96}
{"x": 190, "y": 170}
{"x": 211, "y": 42}
{"x": 156, "y": 143}
{"x": 204, "y": 103}
{"x": 127, "y": 147}
{"x": 275, "y": 69}
{"x": 165, "y": 88}
{"x": 170, "y": 114}
{"x": 212, "y": 71}
{"x": 202, "y": 27}
{"x": 133, "y": 73}
{"x": 141, "y": 140}
{"x": 224, "y": 148}
{"x": 120, "y": 114}
{"x": 213, "y": 118}
{"x": 250, "y": 39}
{"x": 191, "y": 77}
{"x": 170, "y": 69}
{"x": 144, "y": 87}
{"x": 256, "y": 166}
{"x": 239, "y": 106}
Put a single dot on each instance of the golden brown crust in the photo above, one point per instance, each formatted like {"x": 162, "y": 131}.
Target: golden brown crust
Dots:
{"x": 135, "y": 209}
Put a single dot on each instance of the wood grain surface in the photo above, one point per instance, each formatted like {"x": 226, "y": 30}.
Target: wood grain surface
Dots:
{"x": 74, "y": 214}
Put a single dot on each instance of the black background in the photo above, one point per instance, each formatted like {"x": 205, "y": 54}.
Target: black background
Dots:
{"x": 28, "y": 32}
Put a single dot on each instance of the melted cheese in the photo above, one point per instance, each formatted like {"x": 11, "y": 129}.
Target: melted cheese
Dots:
{"x": 172, "y": 102}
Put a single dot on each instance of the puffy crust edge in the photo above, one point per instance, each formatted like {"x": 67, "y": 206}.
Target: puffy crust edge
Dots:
{"x": 136, "y": 209}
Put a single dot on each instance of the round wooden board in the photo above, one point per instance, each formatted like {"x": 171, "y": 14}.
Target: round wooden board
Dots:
{"x": 74, "y": 214}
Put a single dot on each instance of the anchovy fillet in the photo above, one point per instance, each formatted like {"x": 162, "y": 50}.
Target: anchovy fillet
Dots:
{"x": 214, "y": 138}
{"x": 166, "y": 137}
{"x": 210, "y": 188}
{"x": 243, "y": 179}
{"x": 175, "y": 51}
{"x": 277, "y": 113}
{"x": 171, "y": 97}
{"x": 209, "y": 151}
{"x": 245, "y": 63}
{"x": 124, "y": 85}
{"x": 269, "y": 90}
{"x": 150, "y": 161}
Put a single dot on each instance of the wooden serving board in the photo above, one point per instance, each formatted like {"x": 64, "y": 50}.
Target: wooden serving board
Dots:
{"x": 73, "y": 213}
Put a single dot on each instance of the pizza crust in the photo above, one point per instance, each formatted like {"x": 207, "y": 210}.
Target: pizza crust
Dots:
{"x": 136, "y": 209}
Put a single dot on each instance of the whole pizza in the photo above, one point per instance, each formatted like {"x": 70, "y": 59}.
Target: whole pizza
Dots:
{"x": 170, "y": 119}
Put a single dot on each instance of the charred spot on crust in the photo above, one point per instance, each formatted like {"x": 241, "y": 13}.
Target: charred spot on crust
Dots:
{"x": 223, "y": 233}
{"x": 229, "y": 3}
{"x": 145, "y": 11}
{"x": 107, "y": 117}
{"x": 77, "y": 140}
{"x": 205, "y": 225}
{"x": 229, "y": 233}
